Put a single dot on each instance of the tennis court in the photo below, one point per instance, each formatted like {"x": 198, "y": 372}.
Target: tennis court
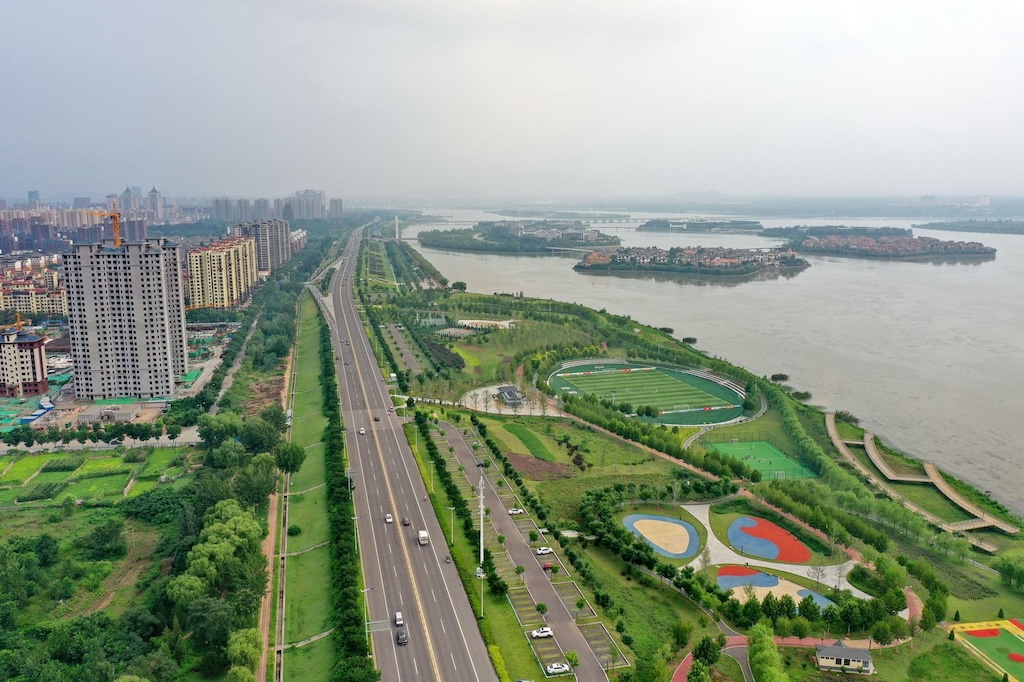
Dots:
{"x": 679, "y": 396}
{"x": 765, "y": 457}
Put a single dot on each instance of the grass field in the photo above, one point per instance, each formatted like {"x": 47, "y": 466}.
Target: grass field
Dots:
{"x": 308, "y": 511}
{"x": 102, "y": 486}
{"x": 766, "y": 458}
{"x": 530, "y": 440}
{"x": 665, "y": 389}
{"x": 311, "y": 662}
{"x": 307, "y": 608}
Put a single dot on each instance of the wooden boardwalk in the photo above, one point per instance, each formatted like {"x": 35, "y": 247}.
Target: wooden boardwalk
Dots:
{"x": 833, "y": 433}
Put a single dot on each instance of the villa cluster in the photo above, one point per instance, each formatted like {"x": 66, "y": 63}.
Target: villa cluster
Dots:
{"x": 893, "y": 247}
{"x": 713, "y": 257}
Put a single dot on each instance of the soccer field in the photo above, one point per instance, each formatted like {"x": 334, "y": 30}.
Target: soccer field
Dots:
{"x": 765, "y": 457}
{"x": 644, "y": 386}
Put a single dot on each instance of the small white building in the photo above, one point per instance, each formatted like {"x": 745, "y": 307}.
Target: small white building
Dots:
{"x": 840, "y": 657}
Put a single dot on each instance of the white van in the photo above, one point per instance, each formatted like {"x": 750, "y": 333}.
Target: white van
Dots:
{"x": 362, "y": 431}
{"x": 399, "y": 621}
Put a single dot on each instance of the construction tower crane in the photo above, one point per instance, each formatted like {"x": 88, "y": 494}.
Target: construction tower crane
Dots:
{"x": 115, "y": 219}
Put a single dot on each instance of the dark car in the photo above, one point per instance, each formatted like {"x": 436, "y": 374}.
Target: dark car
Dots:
{"x": 405, "y": 521}
{"x": 376, "y": 419}
{"x": 402, "y": 637}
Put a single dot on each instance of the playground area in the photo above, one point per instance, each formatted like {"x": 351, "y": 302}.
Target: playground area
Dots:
{"x": 763, "y": 456}
{"x": 738, "y": 578}
{"x": 672, "y": 538}
{"x": 999, "y": 644}
{"x": 680, "y": 396}
{"x": 764, "y": 539}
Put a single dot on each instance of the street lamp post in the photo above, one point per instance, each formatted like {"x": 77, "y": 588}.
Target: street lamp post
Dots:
{"x": 366, "y": 602}
{"x": 431, "y": 477}
{"x": 355, "y": 535}
{"x": 452, "y": 510}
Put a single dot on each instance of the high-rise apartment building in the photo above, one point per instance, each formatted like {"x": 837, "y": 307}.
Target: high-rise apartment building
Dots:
{"x": 273, "y": 241}
{"x": 308, "y": 204}
{"x": 22, "y": 364}
{"x": 126, "y": 318}
{"x": 336, "y": 210}
{"x": 221, "y": 274}
{"x": 155, "y": 206}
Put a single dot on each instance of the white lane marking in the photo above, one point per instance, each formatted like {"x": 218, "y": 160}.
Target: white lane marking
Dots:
{"x": 443, "y": 629}
{"x": 453, "y": 662}
{"x": 390, "y": 551}
{"x": 395, "y": 570}
{"x": 434, "y": 596}
{"x": 415, "y": 667}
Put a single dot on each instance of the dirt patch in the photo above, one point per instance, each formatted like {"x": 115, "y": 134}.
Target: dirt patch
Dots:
{"x": 264, "y": 393}
{"x": 537, "y": 469}
{"x": 121, "y": 581}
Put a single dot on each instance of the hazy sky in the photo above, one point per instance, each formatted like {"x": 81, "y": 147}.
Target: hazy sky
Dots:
{"x": 538, "y": 98}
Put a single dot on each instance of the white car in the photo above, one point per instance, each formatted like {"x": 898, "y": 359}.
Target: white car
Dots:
{"x": 544, "y": 550}
{"x": 541, "y": 633}
{"x": 516, "y": 510}
{"x": 388, "y": 518}
{"x": 557, "y": 668}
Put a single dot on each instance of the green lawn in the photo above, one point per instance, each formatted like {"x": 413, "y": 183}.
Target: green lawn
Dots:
{"x": 930, "y": 499}
{"x": 142, "y": 486}
{"x": 308, "y": 511}
{"x": 307, "y": 608}
{"x": 730, "y": 669}
{"x": 160, "y": 459}
{"x": 311, "y": 662}
{"x": 767, "y": 427}
{"x": 93, "y": 488}
{"x": 313, "y": 469}
{"x": 101, "y": 464}
{"x": 28, "y": 465}
{"x": 534, "y": 444}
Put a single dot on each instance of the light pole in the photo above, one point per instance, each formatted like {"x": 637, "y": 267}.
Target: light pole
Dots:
{"x": 452, "y": 510}
{"x": 366, "y": 603}
{"x": 431, "y": 477}
{"x": 355, "y": 535}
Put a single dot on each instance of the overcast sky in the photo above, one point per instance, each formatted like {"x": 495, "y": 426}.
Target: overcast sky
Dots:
{"x": 532, "y": 98}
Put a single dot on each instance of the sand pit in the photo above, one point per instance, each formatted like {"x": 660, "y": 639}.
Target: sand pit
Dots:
{"x": 669, "y": 537}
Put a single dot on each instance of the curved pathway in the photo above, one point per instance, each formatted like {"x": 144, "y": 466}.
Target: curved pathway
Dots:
{"x": 723, "y": 554}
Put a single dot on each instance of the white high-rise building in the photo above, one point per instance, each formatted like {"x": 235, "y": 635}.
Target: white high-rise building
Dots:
{"x": 273, "y": 242}
{"x": 126, "y": 317}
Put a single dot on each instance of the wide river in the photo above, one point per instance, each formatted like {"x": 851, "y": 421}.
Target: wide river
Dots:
{"x": 930, "y": 357}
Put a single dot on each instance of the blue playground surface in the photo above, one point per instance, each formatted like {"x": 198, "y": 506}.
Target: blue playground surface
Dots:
{"x": 756, "y": 579}
{"x": 694, "y": 539}
{"x": 820, "y": 600}
{"x": 748, "y": 544}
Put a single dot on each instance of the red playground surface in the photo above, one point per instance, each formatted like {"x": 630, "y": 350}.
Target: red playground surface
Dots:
{"x": 760, "y": 537}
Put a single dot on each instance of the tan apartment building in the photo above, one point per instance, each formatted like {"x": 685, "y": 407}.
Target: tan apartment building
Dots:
{"x": 22, "y": 364}
{"x": 221, "y": 274}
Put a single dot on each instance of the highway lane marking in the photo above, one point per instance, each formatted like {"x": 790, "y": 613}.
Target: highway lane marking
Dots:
{"x": 443, "y": 629}
{"x": 453, "y": 661}
{"x": 432, "y": 594}
{"x": 403, "y": 547}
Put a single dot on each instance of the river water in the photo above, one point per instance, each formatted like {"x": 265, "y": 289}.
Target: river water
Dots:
{"x": 928, "y": 356}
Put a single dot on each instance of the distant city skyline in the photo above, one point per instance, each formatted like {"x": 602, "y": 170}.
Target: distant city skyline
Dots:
{"x": 528, "y": 99}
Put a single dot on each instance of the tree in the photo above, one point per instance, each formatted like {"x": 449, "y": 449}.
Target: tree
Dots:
{"x": 699, "y": 672}
{"x": 581, "y": 604}
{"x": 215, "y": 429}
{"x": 705, "y": 557}
{"x": 106, "y": 540}
{"x": 274, "y": 415}
{"x": 681, "y": 632}
{"x": 458, "y": 286}
{"x": 244, "y": 648}
{"x": 817, "y": 572}
{"x": 809, "y": 609}
{"x": 289, "y": 457}
{"x": 554, "y": 570}
{"x": 707, "y": 650}
{"x": 228, "y": 454}
{"x": 258, "y": 436}
{"x": 534, "y": 537}
{"x": 881, "y": 633}
{"x": 173, "y": 431}
{"x": 256, "y": 480}
{"x": 519, "y": 572}
{"x": 572, "y": 658}
{"x": 542, "y": 608}
{"x": 800, "y": 627}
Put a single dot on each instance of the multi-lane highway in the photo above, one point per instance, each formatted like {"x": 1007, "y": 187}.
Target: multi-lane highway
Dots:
{"x": 399, "y": 573}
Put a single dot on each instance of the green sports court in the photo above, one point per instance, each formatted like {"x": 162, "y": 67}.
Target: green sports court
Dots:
{"x": 684, "y": 397}
{"x": 763, "y": 456}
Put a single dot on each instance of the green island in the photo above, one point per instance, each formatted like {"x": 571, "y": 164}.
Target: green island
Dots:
{"x": 519, "y": 236}
{"x": 619, "y": 421}
{"x": 700, "y": 225}
{"x": 676, "y": 490}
